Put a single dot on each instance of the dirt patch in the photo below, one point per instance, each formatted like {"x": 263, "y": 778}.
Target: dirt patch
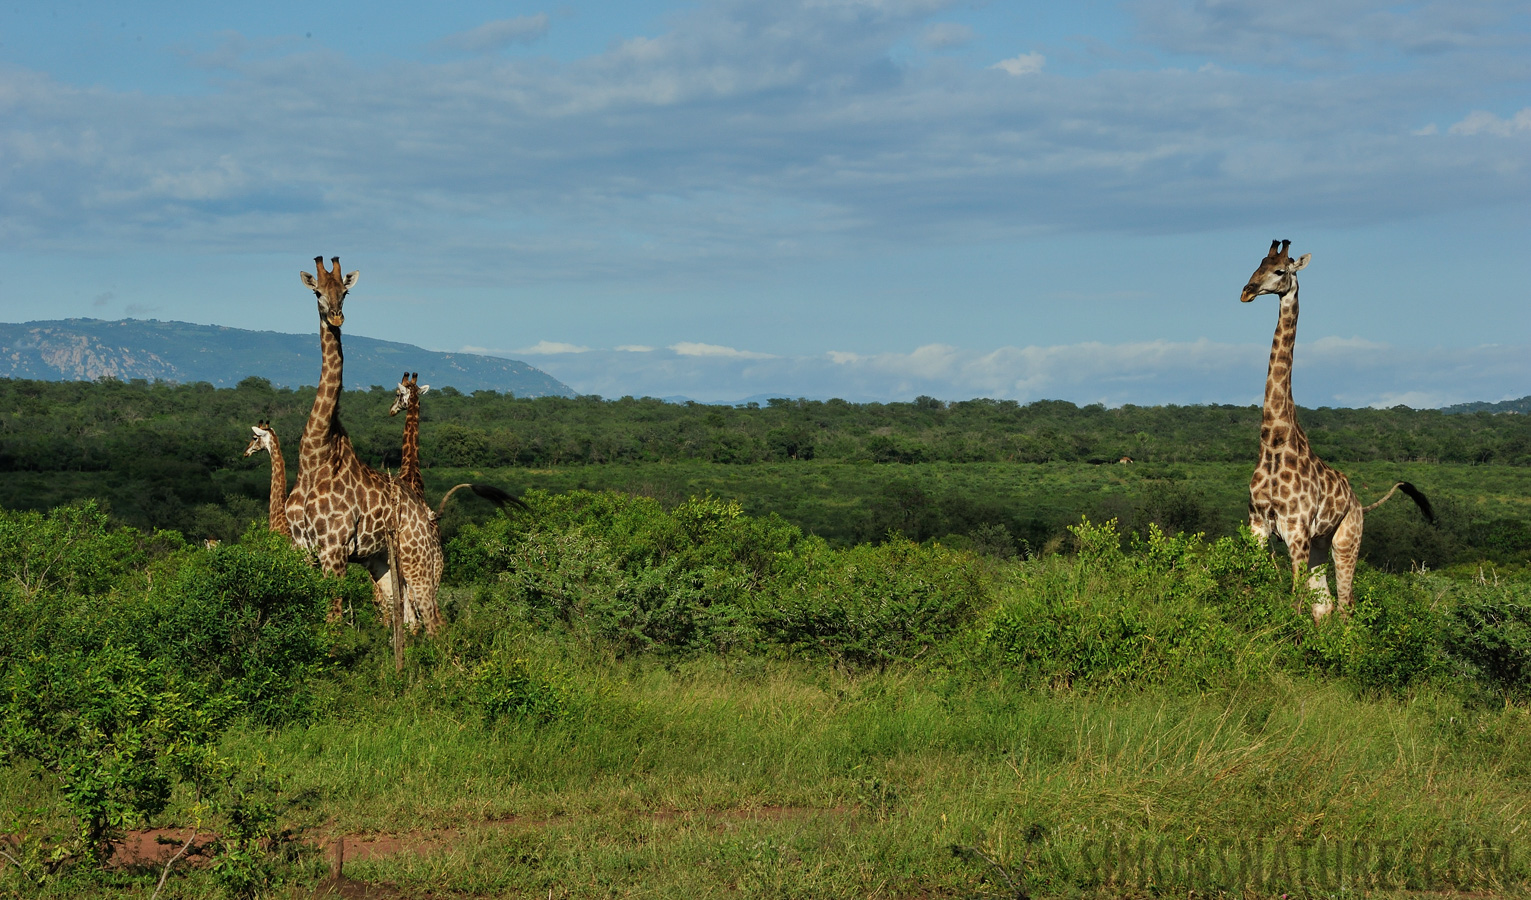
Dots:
{"x": 157, "y": 846}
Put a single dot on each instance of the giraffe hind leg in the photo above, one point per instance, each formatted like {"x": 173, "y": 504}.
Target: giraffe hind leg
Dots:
{"x": 1346, "y": 552}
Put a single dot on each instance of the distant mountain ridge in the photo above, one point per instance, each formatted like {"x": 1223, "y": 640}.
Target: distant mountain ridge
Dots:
{"x": 1521, "y": 406}
{"x": 87, "y": 349}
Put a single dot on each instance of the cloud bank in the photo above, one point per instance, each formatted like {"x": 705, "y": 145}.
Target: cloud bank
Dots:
{"x": 1331, "y": 372}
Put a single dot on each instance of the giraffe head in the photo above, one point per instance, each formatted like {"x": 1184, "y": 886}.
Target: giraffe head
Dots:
{"x": 331, "y": 289}
{"x": 1277, "y": 273}
{"x": 265, "y": 439}
{"x": 408, "y": 393}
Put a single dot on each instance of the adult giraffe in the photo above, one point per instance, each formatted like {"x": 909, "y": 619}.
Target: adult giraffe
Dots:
{"x": 341, "y": 508}
{"x": 1294, "y": 494}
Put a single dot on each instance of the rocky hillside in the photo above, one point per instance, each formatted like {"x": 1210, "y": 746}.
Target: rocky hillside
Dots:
{"x": 87, "y": 349}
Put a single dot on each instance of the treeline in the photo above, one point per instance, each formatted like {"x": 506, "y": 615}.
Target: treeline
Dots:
{"x": 168, "y": 456}
{"x": 112, "y": 425}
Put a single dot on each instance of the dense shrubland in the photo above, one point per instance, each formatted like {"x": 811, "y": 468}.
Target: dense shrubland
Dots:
{"x": 994, "y": 474}
{"x": 138, "y": 672}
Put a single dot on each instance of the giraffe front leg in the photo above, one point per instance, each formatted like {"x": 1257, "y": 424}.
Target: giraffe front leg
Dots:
{"x": 1298, "y": 546}
{"x": 332, "y": 561}
{"x": 1318, "y": 577}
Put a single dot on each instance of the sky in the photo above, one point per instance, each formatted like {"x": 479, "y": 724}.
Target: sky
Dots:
{"x": 867, "y": 199}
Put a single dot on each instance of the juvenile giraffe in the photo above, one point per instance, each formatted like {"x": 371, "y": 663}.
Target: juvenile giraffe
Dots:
{"x": 1292, "y": 493}
{"x": 407, "y": 397}
{"x": 344, "y": 510}
{"x": 265, "y": 439}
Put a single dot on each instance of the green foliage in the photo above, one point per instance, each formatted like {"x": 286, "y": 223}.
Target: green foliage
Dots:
{"x": 73, "y": 549}
{"x": 116, "y": 731}
{"x": 506, "y": 688}
{"x": 246, "y": 620}
{"x": 1108, "y": 619}
{"x": 252, "y": 845}
{"x": 869, "y": 604}
{"x": 631, "y": 574}
{"x": 1390, "y": 642}
{"x": 1489, "y": 629}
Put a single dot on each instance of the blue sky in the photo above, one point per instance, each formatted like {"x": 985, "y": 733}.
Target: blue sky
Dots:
{"x": 870, "y": 199}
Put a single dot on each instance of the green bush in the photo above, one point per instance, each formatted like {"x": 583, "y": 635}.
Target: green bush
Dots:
{"x": 1171, "y": 612}
{"x": 1391, "y": 640}
{"x": 505, "y": 688}
{"x": 116, "y": 731}
{"x": 1489, "y": 629}
{"x": 627, "y": 572}
{"x": 870, "y": 604}
{"x": 247, "y": 620}
{"x": 74, "y": 550}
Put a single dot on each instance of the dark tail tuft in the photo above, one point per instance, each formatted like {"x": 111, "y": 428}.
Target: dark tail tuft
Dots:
{"x": 496, "y": 496}
{"x": 1413, "y": 493}
{"x": 487, "y": 491}
{"x": 1420, "y": 499}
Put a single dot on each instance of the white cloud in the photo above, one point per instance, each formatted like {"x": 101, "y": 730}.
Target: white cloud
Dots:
{"x": 688, "y": 348}
{"x": 635, "y": 348}
{"x": 1331, "y": 372}
{"x": 1025, "y": 64}
{"x": 1482, "y": 122}
{"x": 492, "y": 37}
{"x": 552, "y": 348}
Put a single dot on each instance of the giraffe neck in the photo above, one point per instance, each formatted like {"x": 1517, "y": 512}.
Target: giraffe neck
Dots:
{"x": 278, "y": 508}
{"x": 324, "y": 418}
{"x": 409, "y": 466}
{"x": 1279, "y": 407}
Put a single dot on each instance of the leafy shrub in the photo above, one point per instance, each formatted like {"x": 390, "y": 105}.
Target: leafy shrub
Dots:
{"x": 870, "y": 604}
{"x": 506, "y": 688}
{"x": 1389, "y": 642}
{"x": 247, "y": 620}
{"x": 73, "y": 549}
{"x": 626, "y": 571}
{"x": 1107, "y": 618}
{"x": 1489, "y": 629}
{"x": 115, "y": 730}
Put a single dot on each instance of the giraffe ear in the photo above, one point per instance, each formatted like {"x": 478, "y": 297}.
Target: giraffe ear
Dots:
{"x": 350, "y": 281}
{"x": 309, "y": 281}
{"x": 256, "y": 429}
{"x": 424, "y": 388}
{"x": 1302, "y": 261}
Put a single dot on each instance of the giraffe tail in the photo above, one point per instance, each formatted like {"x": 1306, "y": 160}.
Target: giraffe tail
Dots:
{"x": 487, "y": 491}
{"x": 1413, "y": 493}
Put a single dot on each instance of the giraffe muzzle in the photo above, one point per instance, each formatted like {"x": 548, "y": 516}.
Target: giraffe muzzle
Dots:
{"x": 335, "y": 319}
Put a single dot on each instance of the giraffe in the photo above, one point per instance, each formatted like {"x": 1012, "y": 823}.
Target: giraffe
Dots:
{"x": 407, "y": 397}
{"x": 1294, "y": 494}
{"x": 265, "y": 439}
{"x": 344, "y": 510}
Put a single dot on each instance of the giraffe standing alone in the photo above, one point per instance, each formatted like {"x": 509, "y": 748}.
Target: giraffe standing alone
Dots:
{"x": 265, "y": 439}
{"x": 344, "y": 510}
{"x": 1293, "y": 493}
